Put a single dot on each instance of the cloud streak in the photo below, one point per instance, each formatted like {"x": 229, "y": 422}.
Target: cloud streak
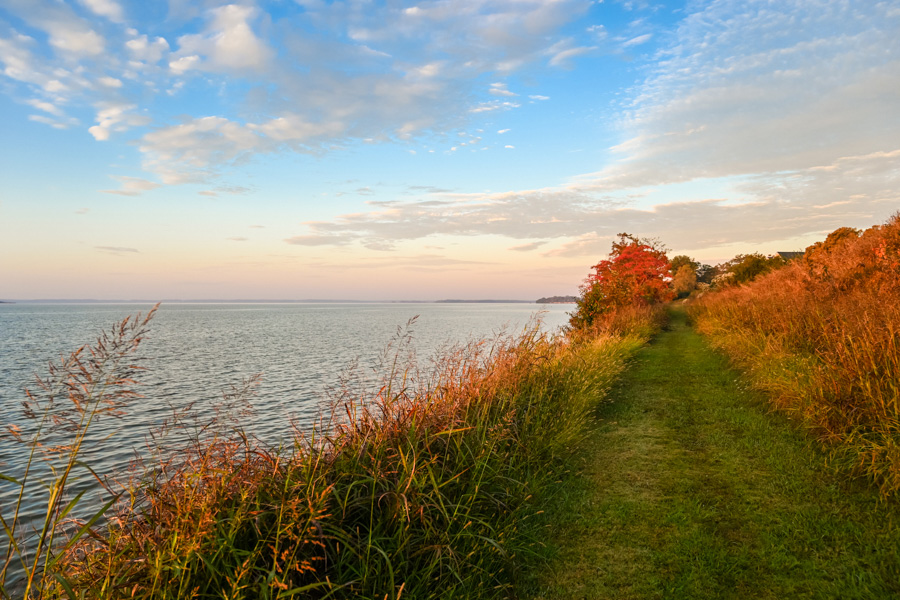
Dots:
{"x": 776, "y": 207}
{"x": 116, "y": 249}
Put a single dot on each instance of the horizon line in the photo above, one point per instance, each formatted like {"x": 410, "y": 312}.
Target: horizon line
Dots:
{"x": 253, "y": 301}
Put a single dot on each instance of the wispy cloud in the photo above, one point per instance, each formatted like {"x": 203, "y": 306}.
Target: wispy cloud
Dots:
{"x": 637, "y": 40}
{"x": 743, "y": 90}
{"x": 500, "y": 89}
{"x": 105, "y": 8}
{"x": 132, "y": 186}
{"x": 562, "y": 56}
{"x": 528, "y": 247}
{"x": 776, "y": 207}
{"x": 116, "y": 249}
{"x": 48, "y": 121}
{"x": 228, "y": 44}
{"x": 319, "y": 240}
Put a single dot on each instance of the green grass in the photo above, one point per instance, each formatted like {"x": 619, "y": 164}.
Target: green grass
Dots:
{"x": 690, "y": 488}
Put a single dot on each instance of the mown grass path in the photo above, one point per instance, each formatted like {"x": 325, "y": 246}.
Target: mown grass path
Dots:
{"x": 690, "y": 488}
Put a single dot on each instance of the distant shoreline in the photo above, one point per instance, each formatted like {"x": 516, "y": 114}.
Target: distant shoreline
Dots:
{"x": 262, "y": 301}
{"x": 558, "y": 300}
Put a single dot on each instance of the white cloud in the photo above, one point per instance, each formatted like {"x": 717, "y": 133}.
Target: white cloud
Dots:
{"x": 20, "y": 64}
{"x": 100, "y": 134}
{"x": 294, "y": 128}
{"x": 76, "y": 41}
{"x": 132, "y": 186}
{"x": 17, "y": 59}
{"x": 105, "y": 8}
{"x": 70, "y": 35}
{"x": 486, "y": 35}
{"x": 148, "y": 51}
{"x": 562, "y": 53}
{"x": 228, "y": 43}
{"x": 188, "y": 152}
{"x": 510, "y": 147}
{"x": 538, "y": 98}
{"x": 54, "y": 86}
{"x": 116, "y": 249}
{"x": 432, "y": 69}
{"x": 185, "y": 63}
{"x": 110, "y": 82}
{"x": 112, "y": 116}
{"x": 528, "y": 247}
{"x": 637, "y": 41}
{"x": 502, "y": 131}
{"x": 47, "y": 121}
{"x": 494, "y": 105}
{"x": 499, "y": 89}
{"x": 46, "y": 107}
{"x": 598, "y": 31}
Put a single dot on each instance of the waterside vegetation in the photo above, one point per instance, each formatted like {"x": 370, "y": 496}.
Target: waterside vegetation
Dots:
{"x": 424, "y": 487}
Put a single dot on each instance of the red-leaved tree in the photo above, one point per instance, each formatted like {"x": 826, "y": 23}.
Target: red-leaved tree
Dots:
{"x": 636, "y": 272}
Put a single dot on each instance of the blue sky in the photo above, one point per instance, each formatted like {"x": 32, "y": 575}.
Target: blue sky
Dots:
{"x": 423, "y": 150}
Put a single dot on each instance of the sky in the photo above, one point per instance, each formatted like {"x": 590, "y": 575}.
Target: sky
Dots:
{"x": 297, "y": 149}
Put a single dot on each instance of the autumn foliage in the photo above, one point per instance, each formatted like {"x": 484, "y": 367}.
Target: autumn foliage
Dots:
{"x": 822, "y": 336}
{"x": 635, "y": 274}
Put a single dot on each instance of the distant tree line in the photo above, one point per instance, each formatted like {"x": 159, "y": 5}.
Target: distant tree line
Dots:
{"x": 558, "y": 300}
{"x": 639, "y": 272}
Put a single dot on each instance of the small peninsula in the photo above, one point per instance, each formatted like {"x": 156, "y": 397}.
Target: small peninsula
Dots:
{"x": 557, "y": 300}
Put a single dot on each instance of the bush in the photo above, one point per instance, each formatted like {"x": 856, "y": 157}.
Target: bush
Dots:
{"x": 635, "y": 274}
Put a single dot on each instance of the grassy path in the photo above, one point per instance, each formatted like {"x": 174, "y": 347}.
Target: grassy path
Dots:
{"x": 691, "y": 489}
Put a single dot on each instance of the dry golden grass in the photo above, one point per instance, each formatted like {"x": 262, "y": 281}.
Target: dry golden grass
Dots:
{"x": 822, "y": 335}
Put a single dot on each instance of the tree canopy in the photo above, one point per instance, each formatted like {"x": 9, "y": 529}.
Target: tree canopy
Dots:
{"x": 636, "y": 272}
{"x": 744, "y": 268}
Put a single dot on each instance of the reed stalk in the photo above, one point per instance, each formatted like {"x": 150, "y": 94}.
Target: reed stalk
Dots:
{"x": 92, "y": 382}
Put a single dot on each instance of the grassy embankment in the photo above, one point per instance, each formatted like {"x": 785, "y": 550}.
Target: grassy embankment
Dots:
{"x": 821, "y": 337}
{"x": 426, "y": 488}
{"x": 691, "y": 488}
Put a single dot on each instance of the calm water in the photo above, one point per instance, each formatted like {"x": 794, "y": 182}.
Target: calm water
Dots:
{"x": 193, "y": 351}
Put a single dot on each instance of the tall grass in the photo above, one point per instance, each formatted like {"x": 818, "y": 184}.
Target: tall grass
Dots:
{"x": 422, "y": 487}
{"x": 93, "y": 382}
{"x": 822, "y": 335}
